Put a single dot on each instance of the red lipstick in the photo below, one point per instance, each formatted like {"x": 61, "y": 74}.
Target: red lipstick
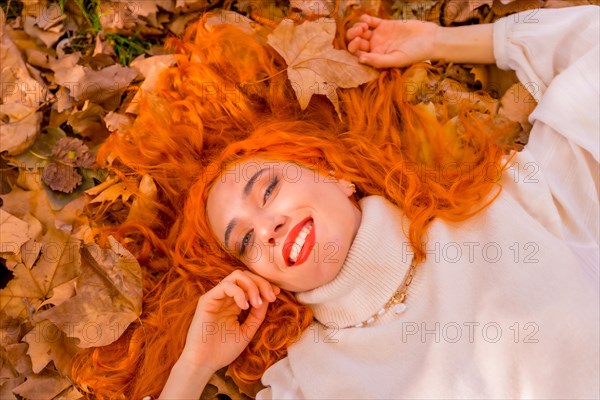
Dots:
{"x": 291, "y": 238}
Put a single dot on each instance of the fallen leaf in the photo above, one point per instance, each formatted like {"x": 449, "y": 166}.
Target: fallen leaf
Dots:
{"x": 47, "y": 37}
{"x": 313, "y": 8}
{"x": 61, "y": 293}
{"x": 17, "y": 355}
{"x": 108, "y": 299}
{"x": 112, "y": 193}
{"x": 58, "y": 263}
{"x": 103, "y": 87}
{"x": 22, "y": 128}
{"x": 13, "y": 233}
{"x": 48, "y": 343}
{"x": 117, "y": 122}
{"x": 141, "y": 208}
{"x": 517, "y": 104}
{"x": 151, "y": 69}
{"x": 314, "y": 66}
{"x": 42, "y": 386}
{"x": 224, "y": 385}
{"x": 60, "y": 177}
{"x": 458, "y": 11}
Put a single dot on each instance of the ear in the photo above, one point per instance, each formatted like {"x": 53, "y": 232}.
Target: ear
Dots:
{"x": 346, "y": 187}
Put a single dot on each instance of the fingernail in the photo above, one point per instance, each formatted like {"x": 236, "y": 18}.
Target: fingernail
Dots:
{"x": 260, "y": 302}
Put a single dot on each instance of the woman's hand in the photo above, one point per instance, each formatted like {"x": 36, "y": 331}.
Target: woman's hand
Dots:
{"x": 396, "y": 43}
{"x": 391, "y": 43}
{"x": 216, "y": 337}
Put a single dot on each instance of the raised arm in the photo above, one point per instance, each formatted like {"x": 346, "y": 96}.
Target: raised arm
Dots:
{"x": 396, "y": 43}
{"x": 215, "y": 337}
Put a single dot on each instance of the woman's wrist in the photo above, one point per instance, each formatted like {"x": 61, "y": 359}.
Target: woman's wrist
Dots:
{"x": 471, "y": 44}
{"x": 186, "y": 380}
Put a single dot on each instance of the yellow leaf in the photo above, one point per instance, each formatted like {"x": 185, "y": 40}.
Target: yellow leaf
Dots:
{"x": 113, "y": 193}
{"x": 314, "y": 66}
{"x": 108, "y": 299}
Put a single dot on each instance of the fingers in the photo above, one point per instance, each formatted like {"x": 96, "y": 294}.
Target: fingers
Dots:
{"x": 253, "y": 321}
{"x": 255, "y": 287}
{"x": 371, "y": 21}
{"x": 380, "y": 60}
{"x": 359, "y": 44}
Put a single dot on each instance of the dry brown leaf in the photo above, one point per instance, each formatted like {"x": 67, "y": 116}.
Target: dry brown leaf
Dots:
{"x": 313, "y": 8}
{"x": 117, "y": 122}
{"x": 314, "y": 66}
{"x": 48, "y": 343}
{"x": 192, "y": 5}
{"x": 119, "y": 17}
{"x": 13, "y": 233}
{"x": 517, "y": 104}
{"x": 59, "y": 262}
{"x": 108, "y": 299}
{"x": 502, "y": 8}
{"x": 17, "y": 355}
{"x": 141, "y": 206}
{"x": 219, "y": 17}
{"x": 21, "y": 95}
{"x": 44, "y": 386}
{"x": 47, "y": 37}
{"x": 458, "y": 11}
{"x": 370, "y": 6}
{"x": 103, "y": 87}
{"x": 60, "y": 177}
{"x": 224, "y": 385}
{"x": 150, "y": 68}
{"x": 61, "y": 293}
{"x": 6, "y": 389}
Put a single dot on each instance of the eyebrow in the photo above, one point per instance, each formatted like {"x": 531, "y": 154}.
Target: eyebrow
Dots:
{"x": 247, "y": 189}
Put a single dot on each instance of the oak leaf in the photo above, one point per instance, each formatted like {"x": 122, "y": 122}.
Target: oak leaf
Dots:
{"x": 314, "y": 66}
{"x": 108, "y": 299}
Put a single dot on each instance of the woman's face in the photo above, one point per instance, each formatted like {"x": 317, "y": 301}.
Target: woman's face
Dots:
{"x": 288, "y": 224}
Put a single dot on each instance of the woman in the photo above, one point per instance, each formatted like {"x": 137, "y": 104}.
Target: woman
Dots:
{"x": 434, "y": 284}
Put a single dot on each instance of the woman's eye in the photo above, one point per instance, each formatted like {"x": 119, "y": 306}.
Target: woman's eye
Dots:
{"x": 245, "y": 243}
{"x": 270, "y": 189}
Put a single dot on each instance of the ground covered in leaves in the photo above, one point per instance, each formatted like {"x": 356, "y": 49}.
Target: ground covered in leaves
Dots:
{"x": 70, "y": 73}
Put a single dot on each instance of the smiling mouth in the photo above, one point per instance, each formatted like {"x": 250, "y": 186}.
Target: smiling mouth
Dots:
{"x": 299, "y": 243}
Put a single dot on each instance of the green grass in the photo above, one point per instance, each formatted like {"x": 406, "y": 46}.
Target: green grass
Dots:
{"x": 127, "y": 48}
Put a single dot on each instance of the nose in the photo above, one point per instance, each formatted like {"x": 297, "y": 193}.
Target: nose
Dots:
{"x": 271, "y": 228}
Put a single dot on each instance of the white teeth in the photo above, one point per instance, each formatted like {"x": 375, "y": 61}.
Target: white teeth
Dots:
{"x": 299, "y": 242}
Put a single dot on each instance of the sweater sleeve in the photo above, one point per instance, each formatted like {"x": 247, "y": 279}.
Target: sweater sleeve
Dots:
{"x": 555, "y": 53}
{"x": 280, "y": 383}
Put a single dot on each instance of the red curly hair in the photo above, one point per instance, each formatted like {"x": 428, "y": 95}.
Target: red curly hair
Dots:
{"x": 224, "y": 102}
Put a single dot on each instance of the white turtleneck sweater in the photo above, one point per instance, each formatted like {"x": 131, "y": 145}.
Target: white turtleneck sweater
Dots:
{"x": 507, "y": 303}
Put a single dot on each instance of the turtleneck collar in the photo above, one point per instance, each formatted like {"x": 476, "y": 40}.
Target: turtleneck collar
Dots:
{"x": 374, "y": 269}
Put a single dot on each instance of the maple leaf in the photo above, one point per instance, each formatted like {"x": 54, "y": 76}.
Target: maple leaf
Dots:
{"x": 48, "y": 343}
{"x": 108, "y": 299}
{"x": 13, "y": 233}
{"x": 44, "y": 386}
{"x": 57, "y": 264}
{"x": 314, "y": 66}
